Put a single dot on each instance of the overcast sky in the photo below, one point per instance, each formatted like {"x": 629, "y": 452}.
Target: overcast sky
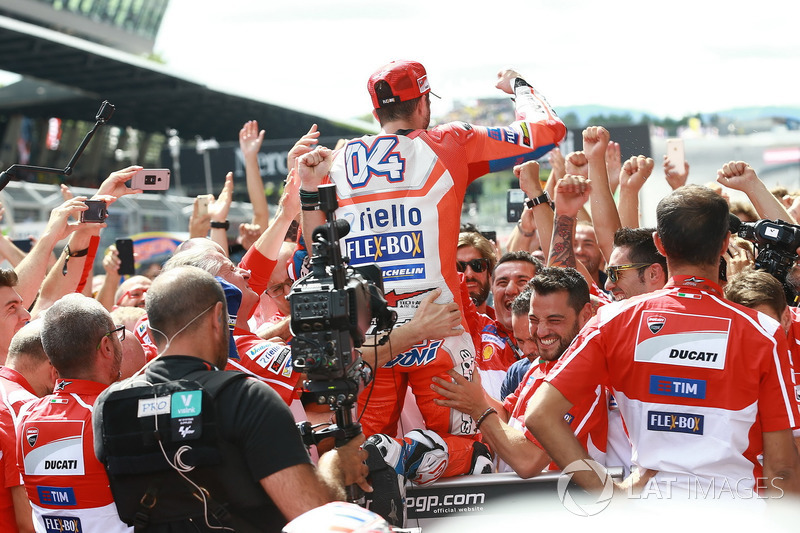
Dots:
{"x": 668, "y": 59}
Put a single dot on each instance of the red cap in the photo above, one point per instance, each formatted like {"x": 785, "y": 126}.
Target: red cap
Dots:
{"x": 407, "y": 80}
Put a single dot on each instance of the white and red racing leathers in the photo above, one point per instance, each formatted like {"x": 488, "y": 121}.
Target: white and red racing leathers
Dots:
{"x": 402, "y": 195}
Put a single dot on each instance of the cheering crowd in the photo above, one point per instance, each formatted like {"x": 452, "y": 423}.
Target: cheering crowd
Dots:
{"x": 662, "y": 351}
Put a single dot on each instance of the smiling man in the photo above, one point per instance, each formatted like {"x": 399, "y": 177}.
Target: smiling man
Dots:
{"x": 492, "y": 333}
{"x": 559, "y": 308}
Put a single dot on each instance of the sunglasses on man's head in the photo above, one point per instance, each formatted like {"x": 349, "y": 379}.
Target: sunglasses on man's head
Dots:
{"x": 613, "y": 271}
{"x": 477, "y": 265}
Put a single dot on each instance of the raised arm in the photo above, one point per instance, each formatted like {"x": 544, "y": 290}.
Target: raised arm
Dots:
{"x": 107, "y": 291}
{"x": 634, "y": 173}
{"x": 571, "y": 193}
{"x": 577, "y": 164}
{"x": 528, "y": 174}
{"x": 605, "y": 217}
{"x": 741, "y": 176}
{"x": 68, "y": 271}
{"x": 33, "y": 268}
{"x": 312, "y": 168}
{"x": 218, "y": 210}
{"x": 250, "y": 139}
{"x": 676, "y": 177}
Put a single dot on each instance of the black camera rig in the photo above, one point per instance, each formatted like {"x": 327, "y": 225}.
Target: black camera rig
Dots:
{"x": 776, "y": 244}
{"x": 332, "y": 309}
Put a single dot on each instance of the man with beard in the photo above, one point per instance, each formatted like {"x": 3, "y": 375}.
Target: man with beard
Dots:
{"x": 476, "y": 258}
{"x": 559, "y": 308}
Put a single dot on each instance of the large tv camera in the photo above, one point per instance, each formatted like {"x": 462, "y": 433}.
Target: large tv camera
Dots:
{"x": 776, "y": 245}
{"x": 332, "y": 309}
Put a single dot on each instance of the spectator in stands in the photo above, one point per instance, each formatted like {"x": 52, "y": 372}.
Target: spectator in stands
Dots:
{"x": 476, "y": 258}
{"x": 559, "y": 307}
{"x": 744, "y": 211}
{"x": 26, "y": 375}
{"x": 635, "y": 266}
{"x": 588, "y": 252}
{"x": 682, "y": 423}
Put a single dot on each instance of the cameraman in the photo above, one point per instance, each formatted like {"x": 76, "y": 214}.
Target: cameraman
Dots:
{"x": 266, "y": 476}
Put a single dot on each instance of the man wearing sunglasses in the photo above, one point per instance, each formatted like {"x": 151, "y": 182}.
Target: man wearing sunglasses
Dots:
{"x": 475, "y": 257}
{"x": 635, "y": 266}
{"x": 66, "y": 484}
{"x": 704, "y": 385}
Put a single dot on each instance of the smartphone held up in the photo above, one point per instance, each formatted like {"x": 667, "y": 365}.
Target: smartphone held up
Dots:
{"x": 151, "y": 179}
{"x": 675, "y": 154}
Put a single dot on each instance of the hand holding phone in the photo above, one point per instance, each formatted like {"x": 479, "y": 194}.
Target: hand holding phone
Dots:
{"x": 96, "y": 212}
{"x": 125, "y": 253}
{"x": 202, "y": 204}
{"x": 676, "y": 155}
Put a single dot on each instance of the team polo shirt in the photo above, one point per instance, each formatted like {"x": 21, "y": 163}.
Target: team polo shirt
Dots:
{"x": 588, "y": 420}
{"x": 14, "y": 392}
{"x": 697, "y": 380}
{"x": 66, "y": 484}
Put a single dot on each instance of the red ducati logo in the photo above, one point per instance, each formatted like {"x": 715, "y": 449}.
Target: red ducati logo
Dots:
{"x": 31, "y": 435}
{"x": 655, "y": 323}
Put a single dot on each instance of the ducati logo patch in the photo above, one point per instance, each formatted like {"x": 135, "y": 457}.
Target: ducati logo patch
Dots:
{"x": 31, "y": 435}
{"x": 655, "y": 323}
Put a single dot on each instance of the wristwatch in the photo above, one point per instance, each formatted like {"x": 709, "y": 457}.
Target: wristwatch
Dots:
{"x": 79, "y": 253}
{"x": 544, "y": 198}
{"x": 221, "y": 225}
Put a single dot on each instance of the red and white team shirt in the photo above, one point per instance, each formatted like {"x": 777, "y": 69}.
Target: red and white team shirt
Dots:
{"x": 697, "y": 379}
{"x": 66, "y": 484}
{"x": 588, "y": 420}
{"x": 15, "y": 391}
{"x": 402, "y": 195}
